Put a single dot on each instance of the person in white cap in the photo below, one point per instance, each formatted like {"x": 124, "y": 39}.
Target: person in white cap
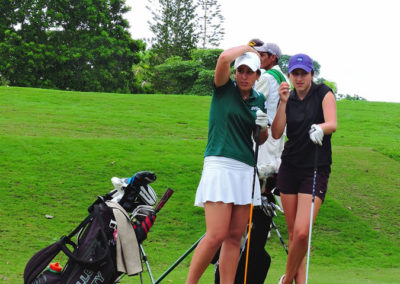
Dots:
{"x": 225, "y": 188}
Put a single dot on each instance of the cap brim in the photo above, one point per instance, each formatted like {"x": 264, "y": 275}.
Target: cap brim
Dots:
{"x": 259, "y": 48}
{"x": 300, "y": 66}
{"x": 251, "y": 66}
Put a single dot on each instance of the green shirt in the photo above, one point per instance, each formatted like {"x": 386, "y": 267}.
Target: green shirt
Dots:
{"x": 231, "y": 123}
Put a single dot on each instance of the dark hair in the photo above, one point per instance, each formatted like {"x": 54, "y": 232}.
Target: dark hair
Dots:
{"x": 276, "y": 58}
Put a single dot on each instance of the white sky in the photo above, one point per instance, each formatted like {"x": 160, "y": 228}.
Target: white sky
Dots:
{"x": 356, "y": 42}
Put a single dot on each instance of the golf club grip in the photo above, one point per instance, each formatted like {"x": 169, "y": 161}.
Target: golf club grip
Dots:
{"x": 164, "y": 199}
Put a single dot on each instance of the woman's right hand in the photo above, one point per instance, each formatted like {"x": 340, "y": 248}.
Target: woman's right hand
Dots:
{"x": 284, "y": 91}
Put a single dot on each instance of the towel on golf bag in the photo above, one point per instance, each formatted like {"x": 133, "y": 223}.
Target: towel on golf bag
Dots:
{"x": 92, "y": 259}
{"x": 127, "y": 250}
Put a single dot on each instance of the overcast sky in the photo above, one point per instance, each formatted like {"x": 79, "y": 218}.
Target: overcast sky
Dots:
{"x": 356, "y": 42}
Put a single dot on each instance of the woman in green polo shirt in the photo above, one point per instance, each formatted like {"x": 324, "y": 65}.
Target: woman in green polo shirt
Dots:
{"x": 225, "y": 187}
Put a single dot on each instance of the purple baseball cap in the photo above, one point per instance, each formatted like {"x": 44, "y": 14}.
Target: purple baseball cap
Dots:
{"x": 301, "y": 61}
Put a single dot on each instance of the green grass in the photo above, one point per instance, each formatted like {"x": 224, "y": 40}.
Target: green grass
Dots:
{"x": 59, "y": 151}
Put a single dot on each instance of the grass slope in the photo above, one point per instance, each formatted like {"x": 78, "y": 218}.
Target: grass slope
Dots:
{"x": 59, "y": 151}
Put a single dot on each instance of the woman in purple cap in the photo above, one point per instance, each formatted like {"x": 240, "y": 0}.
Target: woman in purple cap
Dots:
{"x": 309, "y": 114}
{"x": 226, "y": 182}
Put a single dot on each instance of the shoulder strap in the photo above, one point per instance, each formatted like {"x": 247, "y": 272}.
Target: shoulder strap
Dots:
{"x": 95, "y": 214}
{"x": 277, "y": 75}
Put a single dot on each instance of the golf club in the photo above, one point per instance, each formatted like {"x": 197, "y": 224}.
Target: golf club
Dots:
{"x": 269, "y": 209}
{"x": 257, "y": 138}
{"x": 312, "y": 209}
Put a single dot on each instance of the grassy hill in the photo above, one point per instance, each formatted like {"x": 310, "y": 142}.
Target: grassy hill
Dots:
{"x": 59, "y": 151}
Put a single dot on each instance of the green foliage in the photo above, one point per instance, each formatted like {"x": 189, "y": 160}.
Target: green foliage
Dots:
{"x": 76, "y": 45}
{"x": 207, "y": 57}
{"x": 203, "y": 85}
{"x": 350, "y": 97}
{"x": 210, "y": 23}
{"x": 330, "y": 84}
{"x": 193, "y": 76}
{"x": 175, "y": 76}
{"x": 142, "y": 74}
{"x": 284, "y": 63}
{"x": 174, "y": 27}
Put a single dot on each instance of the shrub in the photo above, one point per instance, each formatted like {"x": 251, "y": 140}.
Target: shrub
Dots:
{"x": 175, "y": 76}
{"x": 203, "y": 85}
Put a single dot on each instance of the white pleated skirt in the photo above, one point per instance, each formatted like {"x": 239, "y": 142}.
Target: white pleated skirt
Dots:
{"x": 228, "y": 181}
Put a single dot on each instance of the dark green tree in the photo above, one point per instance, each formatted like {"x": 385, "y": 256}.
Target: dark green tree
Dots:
{"x": 211, "y": 21}
{"x": 76, "y": 44}
{"x": 174, "y": 26}
{"x": 177, "y": 76}
{"x": 330, "y": 84}
{"x": 207, "y": 57}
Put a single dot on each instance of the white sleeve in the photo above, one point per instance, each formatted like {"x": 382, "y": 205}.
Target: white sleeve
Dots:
{"x": 262, "y": 86}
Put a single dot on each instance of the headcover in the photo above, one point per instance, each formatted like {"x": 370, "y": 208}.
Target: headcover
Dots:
{"x": 147, "y": 195}
{"x": 142, "y": 178}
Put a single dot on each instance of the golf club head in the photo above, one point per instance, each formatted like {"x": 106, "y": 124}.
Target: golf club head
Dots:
{"x": 141, "y": 211}
{"x": 267, "y": 207}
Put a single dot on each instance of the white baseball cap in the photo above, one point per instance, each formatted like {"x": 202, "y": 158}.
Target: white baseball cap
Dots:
{"x": 249, "y": 59}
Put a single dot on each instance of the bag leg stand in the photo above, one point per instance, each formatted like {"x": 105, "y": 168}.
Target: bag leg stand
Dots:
{"x": 144, "y": 258}
{"x": 179, "y": 260}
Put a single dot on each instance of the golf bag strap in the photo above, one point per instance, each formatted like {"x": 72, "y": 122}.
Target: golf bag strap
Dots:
{"x": 67, "y": 240}
{"x": 277, "y": 75}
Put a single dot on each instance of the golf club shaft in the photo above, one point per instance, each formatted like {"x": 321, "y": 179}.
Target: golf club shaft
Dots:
{"x": 257, "y": 140}
{"x": 312, "y": 210}
{"x": 279, "y": 236}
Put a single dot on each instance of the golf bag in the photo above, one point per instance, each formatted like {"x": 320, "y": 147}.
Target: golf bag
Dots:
{"x": 92, "y": 256}
{"x": 259, "y": 260}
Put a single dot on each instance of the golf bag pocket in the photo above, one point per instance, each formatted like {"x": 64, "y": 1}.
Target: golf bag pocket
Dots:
{"x": 39, "y": 262}
{"x": 91, "y": 258}
{"x": 48, "y": 276}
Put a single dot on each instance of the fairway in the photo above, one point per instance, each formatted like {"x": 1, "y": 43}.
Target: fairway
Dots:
{"x": 59, "y": 151}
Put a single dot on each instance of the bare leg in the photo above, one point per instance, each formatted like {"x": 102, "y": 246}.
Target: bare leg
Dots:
{"x": 218, "y": 217}
{"x": 297, "y": 213}
{"x": 229, "y": 256}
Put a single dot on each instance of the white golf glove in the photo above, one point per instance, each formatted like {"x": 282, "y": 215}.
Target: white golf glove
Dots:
{"x": 316, "y": 134}
{"x": 261, "y": 119}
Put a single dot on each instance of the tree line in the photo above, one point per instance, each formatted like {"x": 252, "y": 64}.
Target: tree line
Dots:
{"x": 85, "y": 45}
{"x": 81, "y": 45}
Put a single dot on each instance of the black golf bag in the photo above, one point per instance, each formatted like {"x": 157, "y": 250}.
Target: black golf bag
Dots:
{"x": 259, "y": 260}
{"x": 91, "y": 247}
